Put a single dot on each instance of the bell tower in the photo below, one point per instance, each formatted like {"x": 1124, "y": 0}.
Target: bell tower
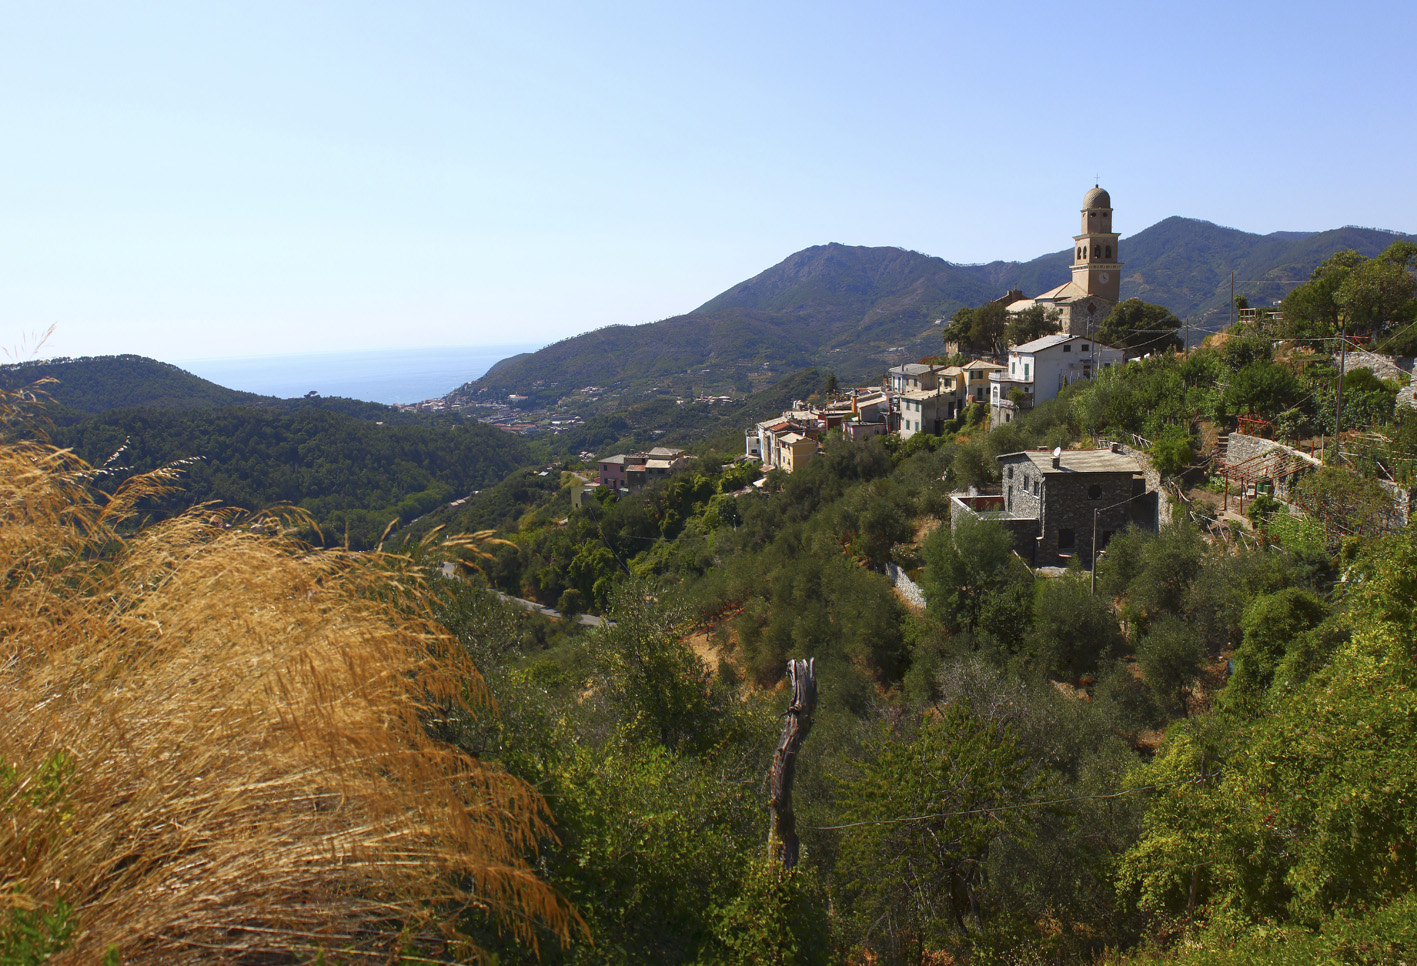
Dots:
{"x": 1096, "y": 260}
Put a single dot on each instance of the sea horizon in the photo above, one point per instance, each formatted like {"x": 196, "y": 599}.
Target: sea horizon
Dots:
{"x": 389, "y": 376}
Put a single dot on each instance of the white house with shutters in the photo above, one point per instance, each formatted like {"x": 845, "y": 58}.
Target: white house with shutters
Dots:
{"x": 1039, "y": 369}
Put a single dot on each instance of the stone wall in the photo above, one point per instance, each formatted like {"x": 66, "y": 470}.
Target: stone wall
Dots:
{"x": 1164, "y": 501}
{"x": 1401, "y": 502}
{"x": 908, "y": 589}
{"x": 1023, "y": 529}
{"x": 1244, "y": 447}
{"x": 1384, "y": 367}
{"x": 1069, "y": 502}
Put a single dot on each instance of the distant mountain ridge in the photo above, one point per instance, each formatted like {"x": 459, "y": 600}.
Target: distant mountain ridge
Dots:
{"x": 99, "y": 384}
{"x": 93, "y": 384}
{"x": 857, "y": 310}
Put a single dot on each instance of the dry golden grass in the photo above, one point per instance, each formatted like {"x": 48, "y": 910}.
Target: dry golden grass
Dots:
{"x": 251, "y": 780}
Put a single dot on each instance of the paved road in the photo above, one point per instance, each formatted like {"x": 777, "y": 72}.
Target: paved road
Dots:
{"x": 586, "y": 620}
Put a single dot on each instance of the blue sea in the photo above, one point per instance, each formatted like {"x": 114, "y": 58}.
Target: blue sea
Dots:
{"x": 384, "y": 376}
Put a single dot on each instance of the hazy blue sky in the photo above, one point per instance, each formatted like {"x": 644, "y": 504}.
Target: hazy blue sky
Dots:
{"x": 201, "y": 179}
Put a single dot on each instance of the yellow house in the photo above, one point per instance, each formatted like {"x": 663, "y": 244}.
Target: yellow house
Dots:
{"x": 794, "y": 450}
{"x": 976, "y": 380}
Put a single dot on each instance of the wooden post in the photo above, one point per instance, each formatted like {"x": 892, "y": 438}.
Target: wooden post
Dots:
{"x": 782, "y": 837}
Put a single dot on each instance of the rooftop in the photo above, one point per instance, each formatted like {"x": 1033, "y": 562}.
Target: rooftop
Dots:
{"x": 921, "y": 394}
{"x": 912, "y": 369}
{"x": 1076, "y": 461}
{"x": 1044, "y": 342}
{"x": 1068, "y": 290}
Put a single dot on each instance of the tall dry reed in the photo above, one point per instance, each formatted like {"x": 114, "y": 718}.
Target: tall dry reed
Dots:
{"x": 212, "y": 743}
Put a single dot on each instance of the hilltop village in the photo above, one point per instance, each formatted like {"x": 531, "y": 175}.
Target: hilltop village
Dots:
{"x": 1062, "y": 506}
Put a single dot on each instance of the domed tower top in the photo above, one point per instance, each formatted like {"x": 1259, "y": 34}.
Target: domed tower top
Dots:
{"x": 1096, "y": 211}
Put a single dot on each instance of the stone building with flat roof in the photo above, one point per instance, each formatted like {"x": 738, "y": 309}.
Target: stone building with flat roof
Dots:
{"x": 1052, "y": 501}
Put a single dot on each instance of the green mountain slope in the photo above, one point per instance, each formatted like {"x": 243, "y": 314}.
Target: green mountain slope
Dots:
{"x": 96, "y": 383}
{"x": 355, "y": 466}
{"x": 353, "y": 475}
{"x": 1186, "y": 264}
{"x": 857, "y": 310}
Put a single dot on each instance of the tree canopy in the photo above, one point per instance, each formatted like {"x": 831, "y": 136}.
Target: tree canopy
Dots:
{"x": 979, "y": 329}
{"x": 1140, "y": 327}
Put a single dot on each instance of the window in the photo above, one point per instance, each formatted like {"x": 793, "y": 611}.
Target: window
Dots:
{"x": 1009, "y": 472}
{"x": 1067, "y": 347}
{"x": 1067, "y": 538}
{"x": 1084, "y": 347}
{"x": 1025, "y": 371}
{"x": 1094, "y": 492}
{"x": 1109, "y": 251}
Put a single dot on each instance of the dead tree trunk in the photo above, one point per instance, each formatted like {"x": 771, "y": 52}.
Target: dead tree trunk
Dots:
{"x": 782, "y": 838}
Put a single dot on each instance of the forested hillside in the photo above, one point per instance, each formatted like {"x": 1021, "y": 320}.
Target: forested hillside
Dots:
{"x": 1195, "y": 754}
{"x": 354, "y": 467}
{"x": 353, "y": 476}
{"x": 857, "y": 311}
{"x": 1194, "y": 760}
{"x": 95, "y": 384}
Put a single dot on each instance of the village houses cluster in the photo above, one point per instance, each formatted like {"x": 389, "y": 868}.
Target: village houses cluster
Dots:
{"x": 1057, "y": 505}
{"x": 922, "y": 398}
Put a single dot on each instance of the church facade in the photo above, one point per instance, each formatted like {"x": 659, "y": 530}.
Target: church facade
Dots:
{"x": 1095, "y": 288}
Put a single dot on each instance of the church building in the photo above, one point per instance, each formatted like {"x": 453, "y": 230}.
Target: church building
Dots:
{"x": 1089, "y": 297}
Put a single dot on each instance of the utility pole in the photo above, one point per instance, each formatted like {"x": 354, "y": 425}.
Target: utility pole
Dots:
{"x": 1232, "y": 300}
{"x": 1094, "y": 551}
{"x": 1342, "y": 360}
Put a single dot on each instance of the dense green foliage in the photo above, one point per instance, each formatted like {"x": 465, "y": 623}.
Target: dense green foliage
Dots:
{"x": 93, "y": 385}
{"x": 1372, "y": 297}
{"x": 352, "y": 475}
{"x": 1140, "y": 327}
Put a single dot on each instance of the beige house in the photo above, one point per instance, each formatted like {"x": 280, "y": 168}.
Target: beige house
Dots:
{"x": 632, "y": 472}
{"x": 914, "y": 377}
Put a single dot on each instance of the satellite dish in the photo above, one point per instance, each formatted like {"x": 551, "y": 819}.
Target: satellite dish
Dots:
{"x": 1057, "y": 451}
